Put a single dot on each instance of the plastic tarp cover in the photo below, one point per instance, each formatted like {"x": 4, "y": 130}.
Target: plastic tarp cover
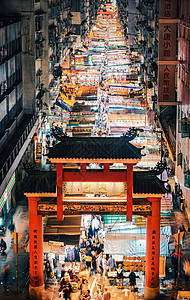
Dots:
{"x": 132, "y": 244}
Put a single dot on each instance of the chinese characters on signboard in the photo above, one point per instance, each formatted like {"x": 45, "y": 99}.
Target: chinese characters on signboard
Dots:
{"x": 35, "y": 257}
{"x": 167, "y": 82}
{"x": 168, "y": 9}
{"x": 153, "y": 255}
{"x": 167, "y": 52}
{"x": 167, "y": 42}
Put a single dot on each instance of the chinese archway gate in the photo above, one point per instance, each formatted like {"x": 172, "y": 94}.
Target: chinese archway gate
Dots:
{"x": 142, "y": 195}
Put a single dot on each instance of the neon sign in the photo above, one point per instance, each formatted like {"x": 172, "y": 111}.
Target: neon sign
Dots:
{"x": 7, "y": 191}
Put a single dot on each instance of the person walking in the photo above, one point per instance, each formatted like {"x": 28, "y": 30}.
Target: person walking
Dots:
{"x": 132, "y": 281}
{"x": 186, "y": 268}
{"x": 111, "y": 262}
{"x": 67, "y": 289}
{"x": 5, "y": 274}
{"x": 95, "y": 226}
{"x": 3, "y": 246}
{"x": 120, "y": 276}
{"x": 107, "y": 294}
{"x": 97, "y": 296}
{"x": 63, "y": 270}
{"x": 88, "y": 261}
{"x": 11, "y": 225}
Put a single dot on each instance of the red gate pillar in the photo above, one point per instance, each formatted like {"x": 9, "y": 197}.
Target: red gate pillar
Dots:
{"x": 129, "y": 191}
{"x": 152, "y": 288}
{"x": 36, "y": 250}
{"x": 59, "y": 191}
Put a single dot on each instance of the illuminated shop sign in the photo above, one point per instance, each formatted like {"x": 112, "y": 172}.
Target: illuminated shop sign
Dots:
{"x": 7, "y": 191}
{"x": 83, "y": 60}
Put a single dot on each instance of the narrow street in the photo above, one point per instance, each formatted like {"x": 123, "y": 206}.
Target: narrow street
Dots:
{"x": 101, "y": 95}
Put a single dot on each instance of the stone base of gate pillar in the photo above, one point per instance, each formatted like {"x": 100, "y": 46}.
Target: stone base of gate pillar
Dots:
{"x": 35, "y": 293}
{"x": 151, "y": 293}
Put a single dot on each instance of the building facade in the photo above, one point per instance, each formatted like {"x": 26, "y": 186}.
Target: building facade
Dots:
{"x": 183, "y": 113}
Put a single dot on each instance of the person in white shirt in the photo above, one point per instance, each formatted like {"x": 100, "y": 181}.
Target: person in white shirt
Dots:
{"x": 97, "y": 296}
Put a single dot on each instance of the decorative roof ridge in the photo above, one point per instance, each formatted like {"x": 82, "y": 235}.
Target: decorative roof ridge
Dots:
{"x": 128, "y": 136}
{"x": 131, "y": 133}
{"x": 157, "y": 170}
{"x": 58, "y": 134}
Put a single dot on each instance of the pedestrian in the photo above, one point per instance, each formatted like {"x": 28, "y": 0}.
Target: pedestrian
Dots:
{"x": 11, "y": 225}
{"x": 182, "y": 203}
{"x": 111, "y": 262}
{"x": 48, "y": 269}
{"x": 3, "y": 246}
{"x": 132, "y": 280}
{"x": 88, "y": 297}
{"x": 88, "y": 260}
{"x": 99, "y": 263}
{"x": 94, "y": 264}
{"x": 95, "y": 226}
{"x": 104, "y": 265}
{"x": 67, "y": 289}
{"x": 186, "y": 268}
{"x": 120, "y": 276}
{"x": 97, "y": 296}
{"x": 63, "y": 270}
{"x": 107, "y": 294}
{"x": 5, "y": 274}
{"x": 168, "y": 188}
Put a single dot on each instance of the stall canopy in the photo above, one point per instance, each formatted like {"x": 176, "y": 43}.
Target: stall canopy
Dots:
{"x": 66, "y": 231}
{"x": 133, "y": 243}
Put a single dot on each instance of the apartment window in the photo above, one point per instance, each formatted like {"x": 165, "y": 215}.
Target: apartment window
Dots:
{"x": 184, "y": 127}
{"x": 3, "y": 52}
{"x": 3, "y": 87}
{"x": 187, "y": 79}
{"x": 183, "y": 31}
{"x": 187, "y": 179}
{"x": 183, "y": 74}
{"x": 179, "y": 71}
{"x": 188, "y": 34}
{"x": 38, "y": 78}
{"x": 179, "y": 159}
{"x": 39, "y": 37}
{"x": 38, "y": 22}
{"x": 179, "y": 112}
{"x": 39, "y": 50}
{"x": 180, "y": 30}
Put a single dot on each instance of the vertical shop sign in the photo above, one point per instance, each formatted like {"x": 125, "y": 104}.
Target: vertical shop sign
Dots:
{"x": 168, "y": 9}
{"x": 166, "y": 83}
{"x": 167, "y": 51}
{"x": 167, "y": 41}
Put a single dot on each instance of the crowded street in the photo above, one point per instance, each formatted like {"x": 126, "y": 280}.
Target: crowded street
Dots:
{"x": 84, "y": 238}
